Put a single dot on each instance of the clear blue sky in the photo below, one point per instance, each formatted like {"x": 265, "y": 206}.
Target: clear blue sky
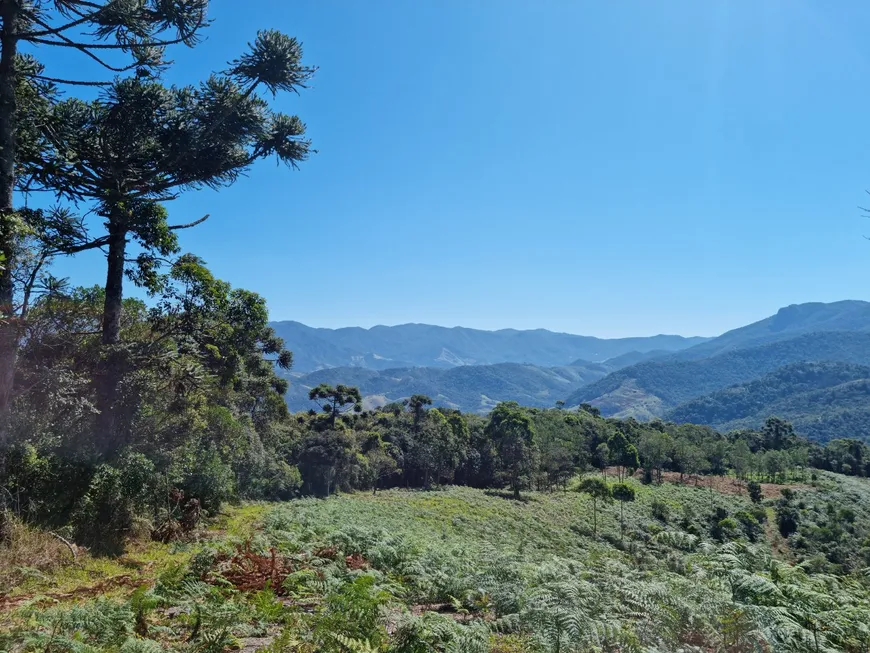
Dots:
{"x": 604, "y": 168}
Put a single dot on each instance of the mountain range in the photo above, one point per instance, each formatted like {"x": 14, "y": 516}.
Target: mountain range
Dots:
{"x": 425, "y": 345}
{"x": 809, "y": 363}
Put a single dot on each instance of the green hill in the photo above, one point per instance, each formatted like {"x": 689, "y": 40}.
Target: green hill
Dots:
{"x": 652, "y": 388}
{"x": 824, "y": 401}
{"x": 821, "y": 399}
{"x": 467, "y": 571}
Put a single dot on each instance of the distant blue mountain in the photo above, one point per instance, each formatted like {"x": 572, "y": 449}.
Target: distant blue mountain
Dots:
{"x": 424, "y": 345}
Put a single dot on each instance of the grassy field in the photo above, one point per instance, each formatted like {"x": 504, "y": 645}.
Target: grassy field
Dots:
{"x": 467, "y": 570}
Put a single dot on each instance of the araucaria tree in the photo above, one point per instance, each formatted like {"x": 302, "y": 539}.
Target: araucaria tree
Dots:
{"x": 514, "y": 435}
{"x": 112, "y": 36}
{"x": 417, "y": 405}
{"x": 623, "y": 493}
{"x": 336, "y": 400}
{"x": 598, "y": 490}
{"x": 142, "y": 144}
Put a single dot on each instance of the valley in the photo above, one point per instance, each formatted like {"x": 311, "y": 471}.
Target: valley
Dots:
{"x": 735, "y": 380}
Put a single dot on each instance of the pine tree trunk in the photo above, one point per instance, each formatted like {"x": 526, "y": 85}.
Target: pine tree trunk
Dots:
{"x": 113, "y": 304}
{"x": 594, "y": 518}
{"x": 111, "y": 372}
{"x": 621, "y": 522}
{"x": 9, "y": 12}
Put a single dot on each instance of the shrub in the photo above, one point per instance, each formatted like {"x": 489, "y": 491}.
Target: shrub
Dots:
{"x": 107, "y": 513}
{"x": 661, "y": 510}
{"x": 754, "y": 490}
{"x": 749, "y": 523}
{"x": 208, "y": 479}
{"x": 787, "y": 515}
{"x": 354, "y": 612}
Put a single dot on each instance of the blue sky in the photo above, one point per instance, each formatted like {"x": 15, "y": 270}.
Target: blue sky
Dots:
{"x": 602, "y": 168}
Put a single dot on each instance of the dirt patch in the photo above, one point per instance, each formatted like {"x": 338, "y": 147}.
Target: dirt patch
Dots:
{"x": 89, "y": 591}
{"x": 722, "y": 484}
{"x": 730, "y": 485}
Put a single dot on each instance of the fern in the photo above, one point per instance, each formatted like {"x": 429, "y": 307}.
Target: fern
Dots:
{"x": 353, "y": 645}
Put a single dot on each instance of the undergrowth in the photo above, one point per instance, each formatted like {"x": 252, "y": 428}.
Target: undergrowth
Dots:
{"x": 463, "y": 570}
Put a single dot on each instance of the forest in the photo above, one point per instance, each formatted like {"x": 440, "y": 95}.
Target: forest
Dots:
{"x": 157, "y": 494}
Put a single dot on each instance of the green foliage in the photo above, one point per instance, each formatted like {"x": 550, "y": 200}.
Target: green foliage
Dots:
{"x": 787, "y": 515}
{"x": 336, "y": 400}
{"x": 513, "y": 433}
{"x": 352, "y": 612}
{"x": 99, "y": 625}
{"x": 107, "y": 513}
{"x": 754, "y": 491}
{"x": 598, "y": 490}
{"x": 660, "y": 510}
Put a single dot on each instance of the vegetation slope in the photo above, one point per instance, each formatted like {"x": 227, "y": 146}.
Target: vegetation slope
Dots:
{"x": 822, "y": 400}
{"x": 651, "y": 388}
{"x": 460, "y": 569}
{"x": 470, "y": 388}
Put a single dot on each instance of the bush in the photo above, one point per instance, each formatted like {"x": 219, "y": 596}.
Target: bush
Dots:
{"x": 108, "y": 512}
{"x": 754, "y": 490}
{"x": 278, "y": 481}
{"x": 44, "y": 488}
{"x": 661, "y": 510}
{"x": 787, "y": 515}
{"x": 209, "y": 479}
{"x": 749, "y": 523}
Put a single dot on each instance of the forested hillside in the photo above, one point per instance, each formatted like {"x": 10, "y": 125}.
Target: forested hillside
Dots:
{"x": 652, "y": 388}
{"x": 823, "y": 400}
{"x": 652, "y": 560}
{"x": 470, "y": 388}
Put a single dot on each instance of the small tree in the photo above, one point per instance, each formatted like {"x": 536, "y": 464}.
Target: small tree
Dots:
{"x": 590, "y": 409}
{"x": 754, "y": 490}
{"x": 778, "y": 434}
{"x": 381, "y": 465}
{"x": 688, "y": 458}
{"x": 623, "y": 453}
{"x": 597, "y": 489}
{"x": 787, "y": 515}
{"x": 655, "y": 448}
{"x": 602, "y": 458}
{"x": 623, "y": 493}
{"x": 337, "y": 400}
{"x": 322, "y": 458}
{"x": 739, "y": 456}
